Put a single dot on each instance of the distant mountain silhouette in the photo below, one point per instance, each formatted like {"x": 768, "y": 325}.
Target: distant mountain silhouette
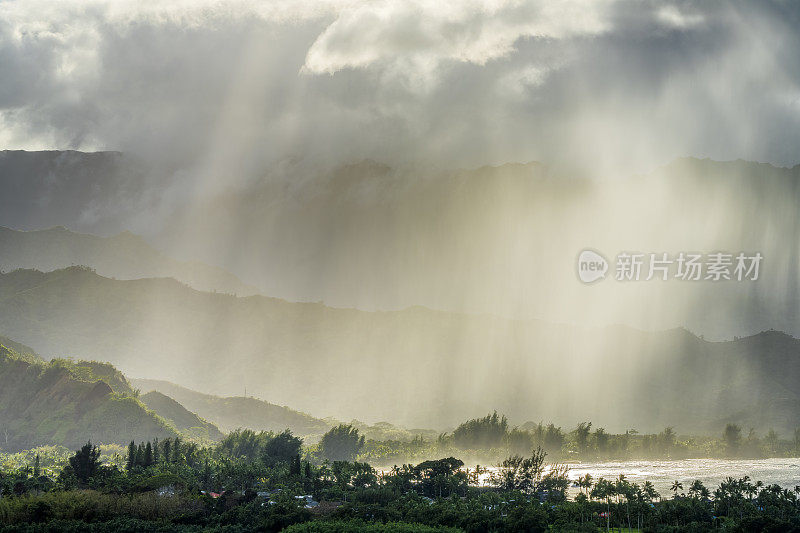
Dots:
{"x": 495, "y": 239}
{"x": 184, "y": 420}
{"x": 123, "y": 256}
{"x": 417, "y": 367}
{"x": 235, "y": 412}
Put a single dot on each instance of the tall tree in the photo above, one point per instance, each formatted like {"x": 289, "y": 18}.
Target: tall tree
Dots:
{"x": 523, "y": 474}
{"x": 486, "y": 432}
{"x": 771, "y": 442}
{"x": 167, "y": 450}
{"x": 280, "y": 448}
{"x": 85, "y": 462}
{"x": 148, "y": 455}
{"x": 797, "y": 440}
{"x": 176, "y": 450}
{"x": 140, "y": 454}
{"x": 295, "y": 467}
{"x": 605, "y": 490}
{"x": 582, "y": 437}
{"x": 341, "y": 443}
{"x": 676, "y": 486}
{"x": 131, "y": 457}
{"x": 601, "y": 440}
{"x": 733, "y": 438}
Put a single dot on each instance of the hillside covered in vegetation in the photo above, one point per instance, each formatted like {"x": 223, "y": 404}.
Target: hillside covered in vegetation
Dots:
{"x": 184, "y": 420}
{"x": 231, "y": 413}
{"x": 64, "y": 403}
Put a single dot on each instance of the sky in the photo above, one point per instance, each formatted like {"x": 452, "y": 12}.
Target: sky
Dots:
{"x": 232, "y": 87}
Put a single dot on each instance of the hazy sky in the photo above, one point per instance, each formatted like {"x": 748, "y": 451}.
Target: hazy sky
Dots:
{"x": 606, "y": 86}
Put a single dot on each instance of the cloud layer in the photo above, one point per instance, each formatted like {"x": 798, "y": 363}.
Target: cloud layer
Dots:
{"x": 226, "y": 89}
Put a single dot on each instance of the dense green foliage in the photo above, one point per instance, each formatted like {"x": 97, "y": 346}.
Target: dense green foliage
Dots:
{"x": 487, "y": 432}
{"x": 259, "y": 482}
{"x": 63, "y": 402}
{"x": 341, "y": 443}
{"x": 489, "y": 439}
{"x": 94, "y": 371}
{"x": 19, "y": 351}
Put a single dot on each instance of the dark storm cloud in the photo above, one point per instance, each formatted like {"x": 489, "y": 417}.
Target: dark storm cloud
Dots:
{"x": 234, "y": 87}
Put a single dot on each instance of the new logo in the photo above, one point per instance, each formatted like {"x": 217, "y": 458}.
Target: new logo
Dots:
{"x": 591, "y": 266}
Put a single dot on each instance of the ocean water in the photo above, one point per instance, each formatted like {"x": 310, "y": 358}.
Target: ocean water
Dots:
{"x": 782, "y": 471}
{"x": 662, "y": 474}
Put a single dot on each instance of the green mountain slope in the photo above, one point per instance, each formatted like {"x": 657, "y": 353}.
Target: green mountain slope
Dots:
{"x": 51, "y": 403}
{"x": 21, "y": 351}
{"x": 94, "y": 370}
{"x": 123, "y": 256}
{"x": 184, "y": 420}
{"x": 236, "y": 412}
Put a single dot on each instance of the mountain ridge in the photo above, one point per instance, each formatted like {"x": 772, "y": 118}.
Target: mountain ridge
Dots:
{"x": 49, "y": 403}
{"x": 231, "y": 413}
{"x": 185, "y": 421}
{"x": 123, "y": 256}
{"x": 419, "y": 368}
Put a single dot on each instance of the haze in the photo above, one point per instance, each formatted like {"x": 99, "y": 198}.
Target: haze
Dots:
{"x": 383, "y": 155}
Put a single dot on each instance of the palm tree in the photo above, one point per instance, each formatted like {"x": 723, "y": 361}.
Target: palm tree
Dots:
{"x": 650, "y": 491}
{"x": 604, "y": 490}
{"x": 585, "y": 482}
{"x": 624, "y": 488}
{"x": 698, "y": 491}
{"x": 752, "y": 489}
{"x": 676, "y": 487}
{"x": 640, "y": 497}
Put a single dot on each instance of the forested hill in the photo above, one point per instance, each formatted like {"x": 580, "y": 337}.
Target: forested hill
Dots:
{"x": 123, "y": 256}
{"x": 415, "y": 367}
{"x": 26, "y": 353}
{"x": 59, "y": 403}
{"x": 184, "y": 420}
{"x": 235, "y": 412}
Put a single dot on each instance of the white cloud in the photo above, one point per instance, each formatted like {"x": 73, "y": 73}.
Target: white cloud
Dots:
{"x": 673, "y": 16}
{"x": 417, "y": 37}
{"x": 519, "y": 83}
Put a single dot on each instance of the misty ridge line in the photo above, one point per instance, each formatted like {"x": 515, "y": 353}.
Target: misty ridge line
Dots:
{"x": 138, "y": 351}
{"x": 344, "y": 236}
{"x": 126, "y": 235}
{"x": 413, "y": 308}
{"x": 480, "y": 244}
